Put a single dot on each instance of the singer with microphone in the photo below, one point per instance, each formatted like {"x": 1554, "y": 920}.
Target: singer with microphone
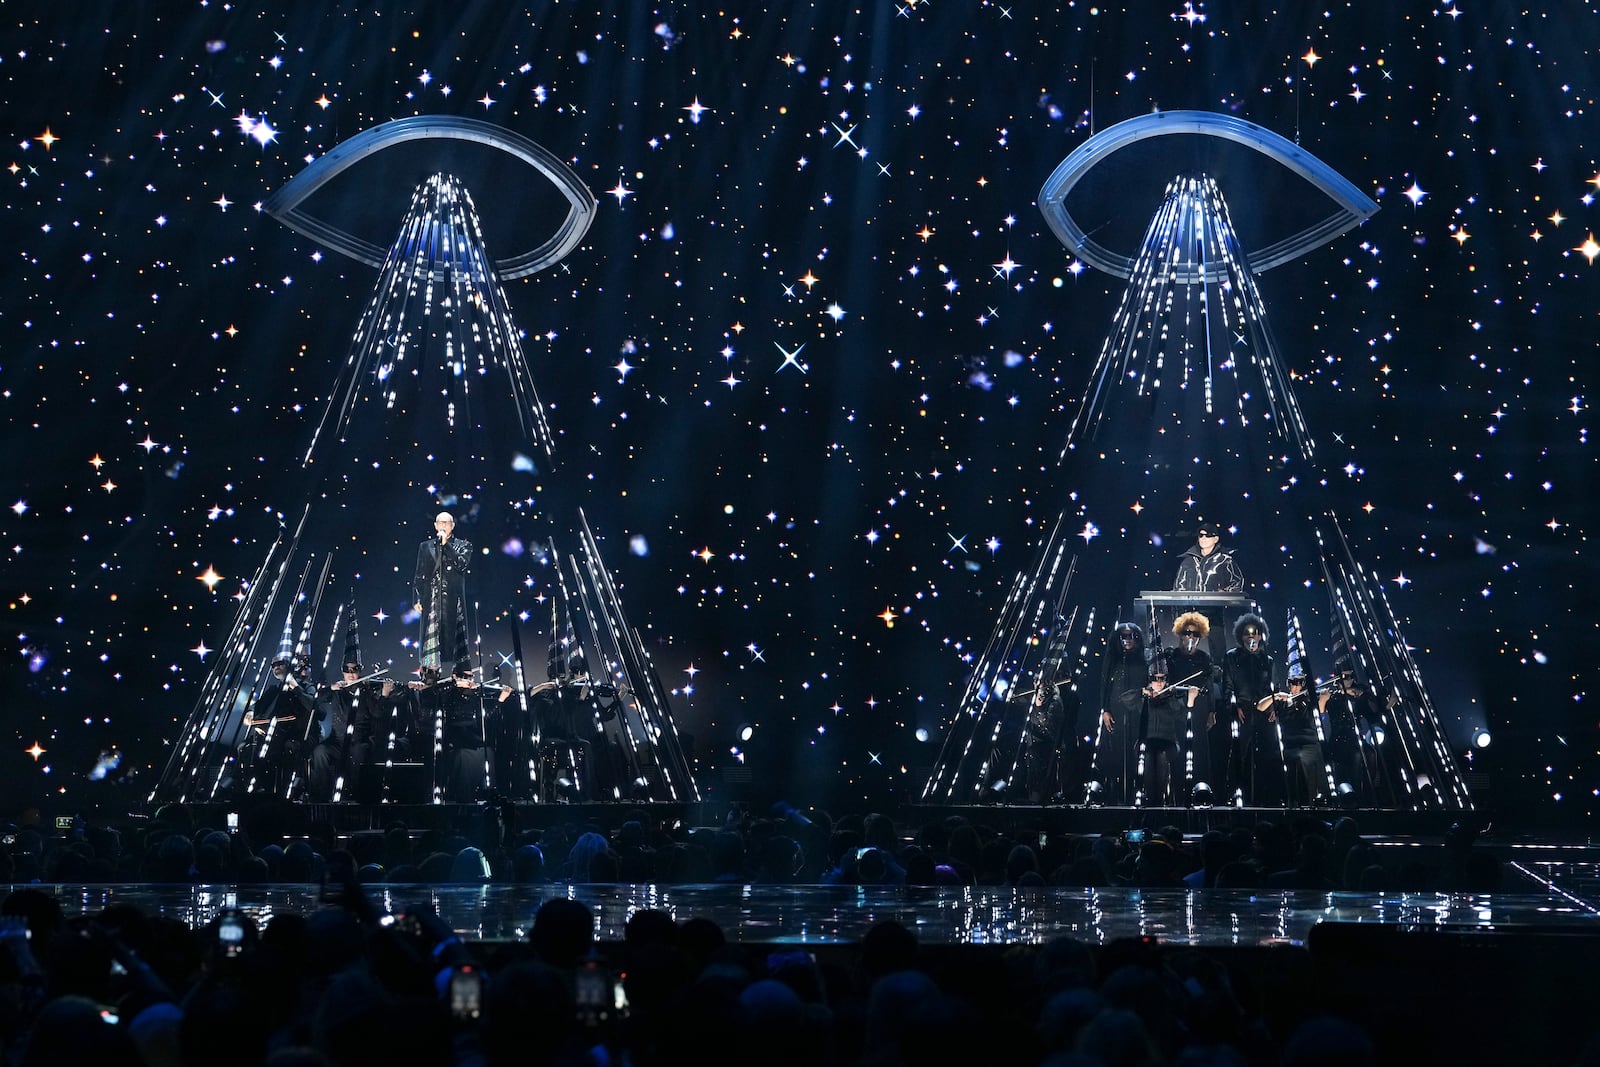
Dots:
{"x": 440, "y": 597}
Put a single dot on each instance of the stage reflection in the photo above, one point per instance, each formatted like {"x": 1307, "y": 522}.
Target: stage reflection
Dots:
{"x": 1555, "y": 894}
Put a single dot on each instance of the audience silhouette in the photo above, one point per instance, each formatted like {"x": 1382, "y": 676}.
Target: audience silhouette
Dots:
{"x": 347, "y": 982}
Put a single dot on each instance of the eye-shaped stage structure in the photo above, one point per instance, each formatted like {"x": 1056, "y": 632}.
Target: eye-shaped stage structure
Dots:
{"x": 354, "y": 213}
{"x": 1115, "y": 179}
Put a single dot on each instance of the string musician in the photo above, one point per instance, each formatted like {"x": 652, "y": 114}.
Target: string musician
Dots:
{"x": 518, "y": 733}
{"x": 1126, "y": 671}
{"x": 562, "y": 742}
{"x": 1299, "y": 724}
{"x": 274, "y": 722}
{"x": 1166, "y": 716}
{"x": 1211, "y": 746}
{"x": 356, "y": 714}
{"x": 463, "y": 754}
{"x": 1043, "y": 733}
{"x": 1250, "y": 676}
{"x": 1351, "y": 711}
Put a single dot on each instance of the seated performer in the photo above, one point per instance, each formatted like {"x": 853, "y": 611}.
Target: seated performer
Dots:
{"x": 518, "y": 733}
{"x": 1042, "y": 739}
{"x": 573, "y": 753}
{"x": 274, "y": 724}
{"x": 464, "y": 768}
{"x": 1167, "y": 712}
{"x": 563, "y": 711}
{"x": 359, "y": 709}
{"x": 399, "y": 743}
{"x": 327, "y": 756}
{"x": 626, "y": 757}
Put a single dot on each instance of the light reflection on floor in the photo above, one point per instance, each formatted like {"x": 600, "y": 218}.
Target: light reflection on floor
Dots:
{"x": 1555, "y": 895}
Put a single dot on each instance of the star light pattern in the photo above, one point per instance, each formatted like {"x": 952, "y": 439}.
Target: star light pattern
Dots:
{"x": 216, "y": 334}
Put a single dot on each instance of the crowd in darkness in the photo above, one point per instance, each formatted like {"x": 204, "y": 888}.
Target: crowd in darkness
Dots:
{"x": 339, "y": 987}
{"x": 790, "y": 846}
{"x": 345, "y": 983}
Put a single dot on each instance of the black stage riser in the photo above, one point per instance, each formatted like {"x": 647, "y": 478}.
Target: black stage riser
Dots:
{"x": 267, "y": 821}
{"x": 1032, "y": 818}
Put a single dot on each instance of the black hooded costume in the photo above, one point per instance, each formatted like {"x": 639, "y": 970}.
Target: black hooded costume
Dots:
{"x": 1127, "y": 669}
{"x": 1249, "y": 676}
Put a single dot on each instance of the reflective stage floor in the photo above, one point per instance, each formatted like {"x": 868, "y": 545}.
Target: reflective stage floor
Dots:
{"x": 1542, "y": 885}
{"x": 1541, "y": 897}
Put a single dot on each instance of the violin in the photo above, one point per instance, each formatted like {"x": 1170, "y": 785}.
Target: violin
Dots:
{"x": 342, "y": 684}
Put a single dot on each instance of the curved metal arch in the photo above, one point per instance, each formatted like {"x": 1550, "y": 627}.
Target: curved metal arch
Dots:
{"x": 284, "y": 205}
{"x": 1355, "y": 206}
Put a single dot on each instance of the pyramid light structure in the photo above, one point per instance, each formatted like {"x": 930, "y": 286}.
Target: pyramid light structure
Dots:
{"x": 434, "y": 408}
{"x": 1188, "y": 416}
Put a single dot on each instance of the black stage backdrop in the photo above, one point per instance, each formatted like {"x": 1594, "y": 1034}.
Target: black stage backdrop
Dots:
{"x": 810, "y": 370}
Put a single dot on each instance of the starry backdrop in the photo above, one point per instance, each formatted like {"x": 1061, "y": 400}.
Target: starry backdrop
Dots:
{"x": 810, "y": 370}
